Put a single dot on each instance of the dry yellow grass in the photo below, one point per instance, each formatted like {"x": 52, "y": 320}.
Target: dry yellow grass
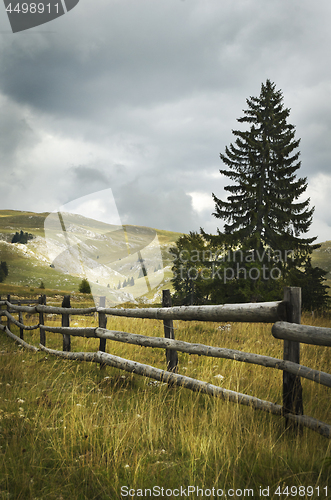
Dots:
{"x": 72, "y": 431}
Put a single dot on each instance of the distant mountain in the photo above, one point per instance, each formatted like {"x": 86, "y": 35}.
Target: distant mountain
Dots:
{"x": 322, "y": 258}
{"x": 109, "y": 256}
{"x": 68, "y": 248}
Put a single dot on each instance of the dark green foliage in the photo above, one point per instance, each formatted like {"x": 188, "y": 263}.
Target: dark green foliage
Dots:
{"x": 3, "y": 271}
{"x": 261, "y": 209}
{"x": 314, "y": 291}
{"x": 191, "y": 269}
{"x": 21, "y": 237}
{"x": 84, "y": 286}
{"x": 4, "y": 268}
{"x": 42, "y": 286}
{"x": 261, "y": 212}
{"x": 263, "y": 219}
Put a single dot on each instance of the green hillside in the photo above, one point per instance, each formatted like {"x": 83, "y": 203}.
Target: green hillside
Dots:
{"x": 322, "y": 258}
{"x": 30, "y": 264}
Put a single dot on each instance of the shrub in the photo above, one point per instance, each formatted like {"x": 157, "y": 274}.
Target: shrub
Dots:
{"x": 84, "y": 286}
{"x": 21, "y": 237}
{"x": 3, "y": 271}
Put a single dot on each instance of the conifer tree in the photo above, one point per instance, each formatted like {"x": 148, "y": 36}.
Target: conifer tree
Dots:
{"x": 262, "y": 211}
{"x": 84, "y": 286}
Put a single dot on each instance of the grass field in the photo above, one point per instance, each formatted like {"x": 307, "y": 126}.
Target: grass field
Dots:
{"x": 69, "y": 430}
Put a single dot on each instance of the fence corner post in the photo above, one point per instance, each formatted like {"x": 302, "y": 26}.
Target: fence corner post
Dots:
{"x": 102, "y": 324}
{"x": 292, "y": 389}
{"x": 42, "y": 301}
{"x": 172, "y": 357}
{"x": 66, "y": 323}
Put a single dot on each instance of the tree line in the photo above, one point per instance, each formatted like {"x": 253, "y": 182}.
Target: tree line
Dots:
{"x": 21, "y": 237}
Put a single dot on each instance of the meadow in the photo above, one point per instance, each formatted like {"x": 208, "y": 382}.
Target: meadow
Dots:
{"x": 70, "y": 430}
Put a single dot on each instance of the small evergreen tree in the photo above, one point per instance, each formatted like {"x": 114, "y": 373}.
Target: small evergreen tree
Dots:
{"x": 16, "y": 238}
{"x": 4, "y": 268}
{"x": 3, "y": 271}
{"x": 84, "y": 286}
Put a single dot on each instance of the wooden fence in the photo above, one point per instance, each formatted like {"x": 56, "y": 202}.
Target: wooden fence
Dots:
{"x": 286, "y": 316}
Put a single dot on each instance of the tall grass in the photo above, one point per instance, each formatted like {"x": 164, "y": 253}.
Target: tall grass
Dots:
{"x": 69, "y": 430}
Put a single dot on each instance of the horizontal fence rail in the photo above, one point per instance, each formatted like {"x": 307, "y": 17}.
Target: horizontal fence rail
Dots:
{"x": 198, "y": 349}
{"x": 18, "y": 323}
{"x": 264, "y": 312}
{"x": 192, "y": 384}
{"x": 315, "y": 335}
{"x": 17, "y": 339}
{"x": 284, "y": 314}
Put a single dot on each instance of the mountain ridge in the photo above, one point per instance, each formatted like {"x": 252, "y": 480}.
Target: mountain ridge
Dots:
{"x": 29, "y": 264}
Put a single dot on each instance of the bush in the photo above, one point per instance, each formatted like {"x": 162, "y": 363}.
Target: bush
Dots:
{"x": 84, "y": 286}
{"x": 3, "y": 271}
{"x": 21, "y": 237}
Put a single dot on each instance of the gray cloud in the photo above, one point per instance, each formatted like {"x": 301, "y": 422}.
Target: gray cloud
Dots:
{"x": 141, "y": 97}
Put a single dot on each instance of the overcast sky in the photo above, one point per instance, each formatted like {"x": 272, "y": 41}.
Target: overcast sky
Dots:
{"x": 139, "y": 97}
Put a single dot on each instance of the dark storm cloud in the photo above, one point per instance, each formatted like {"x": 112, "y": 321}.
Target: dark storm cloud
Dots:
{"x": 15, "y": 132}
{"x": 141, "y": 96}
{"x": 88, "y": 180}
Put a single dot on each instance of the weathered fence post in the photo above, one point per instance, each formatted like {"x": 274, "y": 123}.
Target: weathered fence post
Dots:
{"x": 172, "y": 357}
{"x": 102, "y": 324}
{"x": 20, "y": 319}
{"x": 8, "y": 309}
{"x": 42, "y": 301}
{"x": 66, "y": 322}
{"x": 292, "y": 389}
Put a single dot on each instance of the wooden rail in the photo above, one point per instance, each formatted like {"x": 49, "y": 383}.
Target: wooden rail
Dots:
{"x": 315, "y": 335}
{"x": 263, "y": 312}
{"x": 284, "y": 314}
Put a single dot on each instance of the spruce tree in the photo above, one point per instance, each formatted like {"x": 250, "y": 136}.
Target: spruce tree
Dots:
{"x": 261, "y": 211}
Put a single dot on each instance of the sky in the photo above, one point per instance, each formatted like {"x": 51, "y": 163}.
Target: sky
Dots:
{"x": 134, "y": 100}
